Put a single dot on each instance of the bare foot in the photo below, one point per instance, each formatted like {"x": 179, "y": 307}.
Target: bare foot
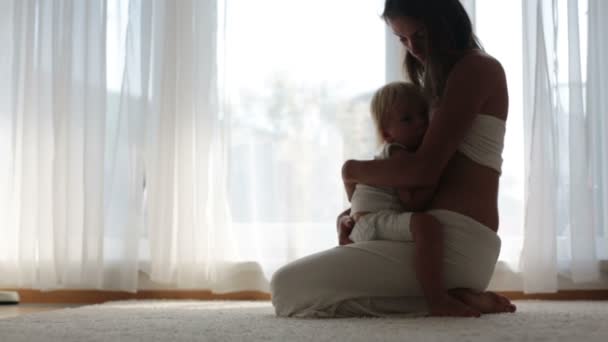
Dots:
{"x": 485, "y": 302}
{"x": 448, "y": 306}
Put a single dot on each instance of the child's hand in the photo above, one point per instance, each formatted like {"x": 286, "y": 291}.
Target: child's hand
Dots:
{"x": 345, "y": 227}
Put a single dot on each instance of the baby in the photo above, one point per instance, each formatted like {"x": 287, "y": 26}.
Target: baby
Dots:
{"x": 400, "y": 114}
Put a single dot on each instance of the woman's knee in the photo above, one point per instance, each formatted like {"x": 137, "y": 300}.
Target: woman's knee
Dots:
{"x": 286, "y": 289}
{"x": 279, "y": 279}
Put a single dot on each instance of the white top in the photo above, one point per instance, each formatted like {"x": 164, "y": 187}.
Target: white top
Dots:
{"x": 485, "y": 141}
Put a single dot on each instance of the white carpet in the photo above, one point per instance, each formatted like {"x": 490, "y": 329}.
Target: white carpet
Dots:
{"x": 255, "y": 321}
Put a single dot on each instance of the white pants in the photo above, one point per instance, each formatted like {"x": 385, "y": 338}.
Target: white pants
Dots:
{"x": 376, "y": 278}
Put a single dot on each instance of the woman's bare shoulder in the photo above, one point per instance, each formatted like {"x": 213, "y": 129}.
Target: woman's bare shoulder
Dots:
{"x": 482, "y": 69}
{"x": 480, "y": 61}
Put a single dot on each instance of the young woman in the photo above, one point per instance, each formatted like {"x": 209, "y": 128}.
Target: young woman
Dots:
{"x": 460, "y": 155}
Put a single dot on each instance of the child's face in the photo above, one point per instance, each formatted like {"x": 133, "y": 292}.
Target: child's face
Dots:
{"x": 406, "y": 124}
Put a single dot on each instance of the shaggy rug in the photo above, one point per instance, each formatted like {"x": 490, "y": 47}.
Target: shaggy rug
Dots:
{"x": 255, "y": 321}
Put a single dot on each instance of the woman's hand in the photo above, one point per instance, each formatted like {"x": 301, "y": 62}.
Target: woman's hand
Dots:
{"x": 345, "y": 225}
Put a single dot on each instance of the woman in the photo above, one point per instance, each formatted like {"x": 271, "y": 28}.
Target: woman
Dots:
{"x": 460, "y": 154}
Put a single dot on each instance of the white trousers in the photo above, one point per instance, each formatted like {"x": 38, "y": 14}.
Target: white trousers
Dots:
{"x": 376, "y": 278}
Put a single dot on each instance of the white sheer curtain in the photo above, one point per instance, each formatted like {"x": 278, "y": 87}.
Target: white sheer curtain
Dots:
{"x": 178, "y": 145}
{"x": 565, "y": 125}
{"x": 200, "y": 142}
{"x": 597, "y": 124}
{"x": 52, "y": 136}
{"x": 248, "y": 111}
{"x": 104, "y": 175}
{"x": 172, "y": 71}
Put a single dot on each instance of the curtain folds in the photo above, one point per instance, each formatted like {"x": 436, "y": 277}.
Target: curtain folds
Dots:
{"x": 597, "y": 123}
{"x": 53, "y": 133}
{"x": 188, "y": 221}
{"x": 105, "y": 180}
{"x": 565, "y": 144}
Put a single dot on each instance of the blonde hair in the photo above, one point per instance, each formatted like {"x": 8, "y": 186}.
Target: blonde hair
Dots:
{"x": 384, "y": 99}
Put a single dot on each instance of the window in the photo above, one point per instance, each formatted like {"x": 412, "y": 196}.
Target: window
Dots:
{"x": 299, "y": 79}
{"x": 498, "y": 26}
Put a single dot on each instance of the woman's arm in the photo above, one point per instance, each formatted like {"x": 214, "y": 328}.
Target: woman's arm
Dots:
{"x": 416, "y": 199}
{"x": 470, "y": 83}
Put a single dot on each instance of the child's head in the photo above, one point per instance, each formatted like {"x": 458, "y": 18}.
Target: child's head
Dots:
{"x": 400, "y": 113}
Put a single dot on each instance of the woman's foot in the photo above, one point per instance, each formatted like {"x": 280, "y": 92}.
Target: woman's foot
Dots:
{"x": 447, "y": 305}
{"x": 484, "y": 302}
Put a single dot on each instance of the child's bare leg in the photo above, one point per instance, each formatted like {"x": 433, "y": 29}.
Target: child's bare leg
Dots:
{"x": 428, "y": 260}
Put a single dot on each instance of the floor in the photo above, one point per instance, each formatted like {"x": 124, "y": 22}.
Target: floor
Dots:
{"x": 7, "y": 311}
{"x": 232, "y": 321}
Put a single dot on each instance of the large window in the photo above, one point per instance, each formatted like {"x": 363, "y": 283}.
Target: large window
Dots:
{"x": 498, "y": 26}
{"x": 298, "y": 96}
{"x": 299, "y": 78}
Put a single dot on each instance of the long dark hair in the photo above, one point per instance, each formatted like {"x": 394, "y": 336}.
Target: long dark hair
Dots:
{"x": 449, "y": 33}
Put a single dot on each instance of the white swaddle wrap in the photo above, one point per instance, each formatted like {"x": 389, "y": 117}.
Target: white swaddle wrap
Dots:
{"x": 368, "y": 198}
